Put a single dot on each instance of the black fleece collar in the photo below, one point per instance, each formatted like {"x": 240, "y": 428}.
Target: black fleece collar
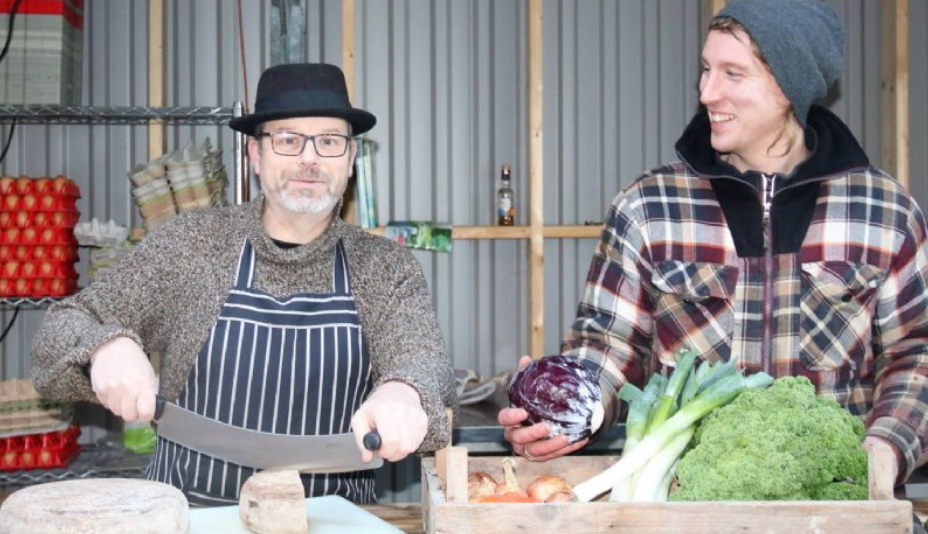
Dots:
{"x": 832, "y": 150}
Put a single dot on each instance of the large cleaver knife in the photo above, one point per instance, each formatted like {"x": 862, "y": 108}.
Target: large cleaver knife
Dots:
{"x": 333, "y": 453}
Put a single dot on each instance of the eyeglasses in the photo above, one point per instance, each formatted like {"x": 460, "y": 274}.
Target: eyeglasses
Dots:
{"x": 292, "y": 144}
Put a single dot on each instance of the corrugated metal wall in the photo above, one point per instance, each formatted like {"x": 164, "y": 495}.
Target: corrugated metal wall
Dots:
{"x": 447, "y": 81}
{"x": 620, "y": 84}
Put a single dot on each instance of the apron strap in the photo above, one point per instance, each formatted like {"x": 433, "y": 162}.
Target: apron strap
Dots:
{"x": 341, "y": 279}
{"x": 246, "y": 266}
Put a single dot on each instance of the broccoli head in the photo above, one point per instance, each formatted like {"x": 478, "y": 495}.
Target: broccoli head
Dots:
{"x": 776, "y": 443}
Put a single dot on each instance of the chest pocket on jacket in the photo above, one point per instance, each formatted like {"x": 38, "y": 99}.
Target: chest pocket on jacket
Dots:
{"x": 836, "y": 314}
{"x": 693, "y": 309}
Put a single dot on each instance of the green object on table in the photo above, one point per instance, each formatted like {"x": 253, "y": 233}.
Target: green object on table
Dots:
{"x": 139, "y": 438}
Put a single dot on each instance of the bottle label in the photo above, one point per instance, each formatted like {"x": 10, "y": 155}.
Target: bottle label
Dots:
{"x": 504, "y": 207}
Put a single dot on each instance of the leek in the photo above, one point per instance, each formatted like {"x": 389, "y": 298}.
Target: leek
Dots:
{"x": 720, "y": 384}
{"x": 636, "y": 424}
{"x": 654, "y": 474}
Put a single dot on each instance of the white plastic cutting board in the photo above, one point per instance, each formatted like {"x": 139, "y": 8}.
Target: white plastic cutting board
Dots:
{"x": 327, "y": 515}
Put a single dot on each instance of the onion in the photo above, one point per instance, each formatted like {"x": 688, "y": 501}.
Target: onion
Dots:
{"x": 480, "y": 484}
{"x": 545, "y": 486}
{"x": 509, "y": 490}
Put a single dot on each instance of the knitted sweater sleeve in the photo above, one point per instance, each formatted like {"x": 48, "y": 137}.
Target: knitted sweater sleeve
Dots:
{"x": 402, "y": 332}
{"x": 128, "y": 301}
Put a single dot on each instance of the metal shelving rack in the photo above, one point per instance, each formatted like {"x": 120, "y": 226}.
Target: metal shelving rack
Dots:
{"x": 106, "y": 459}
{"x": 127, "y": 115}
{"x": 40, "y": 114}
{"x": 28, "y": 303}
{"x": 133, "y": 115}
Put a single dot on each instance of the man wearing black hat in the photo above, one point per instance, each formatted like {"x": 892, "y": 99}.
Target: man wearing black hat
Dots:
{"x": 772, "y": 242}
{"x": 275, "y": 315}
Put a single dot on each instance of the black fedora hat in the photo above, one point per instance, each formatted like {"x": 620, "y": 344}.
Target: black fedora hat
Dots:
{"x": 303, "y": 90}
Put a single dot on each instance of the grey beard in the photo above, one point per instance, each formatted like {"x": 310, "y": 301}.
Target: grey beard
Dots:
{"x": 306, "y": 205}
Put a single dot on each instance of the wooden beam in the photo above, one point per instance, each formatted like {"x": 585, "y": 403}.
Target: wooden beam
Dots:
{"x": 156, "y": 144}
{"x": 348, "y": 208}
{"x": 880, "y": 460}
{"x": 451, "y": 464}
{"x": 474, "y": 233}
{"x": 709, "y": 9}
{"x": 573, "y": 232}
{"x": 894, "y": 29}
{"x": 525, "y": 232}
{"x": 536, "y": 177}
{"x": 156, "y": 141}
{"x": 348, "y": 44}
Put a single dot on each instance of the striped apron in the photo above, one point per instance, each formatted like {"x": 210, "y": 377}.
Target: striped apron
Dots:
{"x": 292, "y": 366}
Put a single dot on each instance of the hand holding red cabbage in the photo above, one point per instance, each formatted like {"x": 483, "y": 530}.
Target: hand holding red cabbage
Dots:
{"x": 561, "y": 392}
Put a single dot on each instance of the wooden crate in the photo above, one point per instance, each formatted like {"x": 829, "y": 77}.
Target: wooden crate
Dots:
{"x": 445, "y": 508}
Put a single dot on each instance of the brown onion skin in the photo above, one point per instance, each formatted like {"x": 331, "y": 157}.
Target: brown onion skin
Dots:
{"x": 480, "y": 484}
{"x": 508, "y": 490}
{"x": 545, "y": 486}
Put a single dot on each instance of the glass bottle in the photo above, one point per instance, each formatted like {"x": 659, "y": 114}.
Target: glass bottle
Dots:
{"x": 505, "y": 204}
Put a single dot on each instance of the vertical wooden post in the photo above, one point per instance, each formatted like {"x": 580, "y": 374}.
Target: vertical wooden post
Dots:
{"x": 156, "y": 144}
{"x": 895, "y": 88}
{"x": 536, "y": 177}
{"x": 709, "y": 9}
{"x": 348, "y": 44}
{"x": 880, "y": 459}
{"x": 348, "y": 67}
{"x": 155, "y": 74}
{"x": 451, "y": 464}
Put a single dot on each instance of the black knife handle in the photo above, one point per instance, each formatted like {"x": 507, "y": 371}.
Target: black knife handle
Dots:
{"x": 372, "y": 440}
{"x": 159, "y": 407}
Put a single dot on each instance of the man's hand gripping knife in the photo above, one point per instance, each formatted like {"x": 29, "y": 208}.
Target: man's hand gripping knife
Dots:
{"x": 394, "y": 409}
{"x": 123, "y": 379}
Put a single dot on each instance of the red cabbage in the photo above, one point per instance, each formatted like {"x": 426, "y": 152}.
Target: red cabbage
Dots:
{"x": 559, "y": 391}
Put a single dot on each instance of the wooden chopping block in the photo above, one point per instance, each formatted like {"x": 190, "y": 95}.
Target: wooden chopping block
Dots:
{"x": 96, "y": 506}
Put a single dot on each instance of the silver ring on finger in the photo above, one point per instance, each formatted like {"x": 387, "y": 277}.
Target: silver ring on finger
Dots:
{"x": 527, "y": 455}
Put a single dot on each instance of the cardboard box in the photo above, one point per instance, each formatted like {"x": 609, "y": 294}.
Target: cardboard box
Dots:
{"x": 44, "y": 62}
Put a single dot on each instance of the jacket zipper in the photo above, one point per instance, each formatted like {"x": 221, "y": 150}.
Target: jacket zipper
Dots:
{"x": 769, "y": 189}
{"x": 767, "y": 201}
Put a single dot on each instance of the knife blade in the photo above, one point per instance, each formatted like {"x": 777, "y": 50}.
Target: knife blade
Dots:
{"x": 332, "y": 453}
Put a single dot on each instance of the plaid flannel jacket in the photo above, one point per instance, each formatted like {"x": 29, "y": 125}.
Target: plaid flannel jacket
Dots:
{"x": 846, "y": 306}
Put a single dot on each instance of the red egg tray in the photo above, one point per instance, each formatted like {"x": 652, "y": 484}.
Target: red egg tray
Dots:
{"x": 39, "y": 451}
{"x": 38, "y": 218}
{"x": 37, "y": 287}
{"x": 37, "y": 236}
{"x": 24, "y": 185}
{"x": 22, "y": 253}
{"x": 37, "y": 244}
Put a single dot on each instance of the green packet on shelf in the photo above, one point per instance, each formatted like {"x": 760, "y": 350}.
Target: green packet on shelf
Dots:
{"x": 423, "y": 235}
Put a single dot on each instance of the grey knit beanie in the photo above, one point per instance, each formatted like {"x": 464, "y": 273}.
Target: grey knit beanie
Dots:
{"x": 802, "y": 41}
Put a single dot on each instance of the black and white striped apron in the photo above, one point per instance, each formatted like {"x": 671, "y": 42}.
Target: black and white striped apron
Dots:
{"x": 293, "y": 366}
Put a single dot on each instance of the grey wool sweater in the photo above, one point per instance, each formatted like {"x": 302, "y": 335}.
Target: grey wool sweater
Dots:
{"x": 167, "y": 293}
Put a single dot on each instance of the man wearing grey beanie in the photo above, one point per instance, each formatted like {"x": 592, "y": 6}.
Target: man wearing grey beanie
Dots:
{"x": 772, "y": 242}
